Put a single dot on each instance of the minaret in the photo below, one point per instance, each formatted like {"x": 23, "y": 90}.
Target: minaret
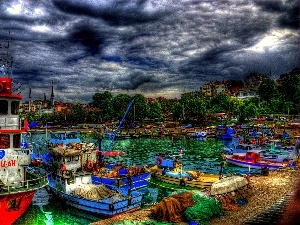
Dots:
{"x": 52, "y": 96}
{"x": 29, "y": 99}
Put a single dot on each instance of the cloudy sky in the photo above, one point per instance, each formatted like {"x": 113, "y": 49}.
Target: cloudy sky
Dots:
{"x": 151, "y": 47}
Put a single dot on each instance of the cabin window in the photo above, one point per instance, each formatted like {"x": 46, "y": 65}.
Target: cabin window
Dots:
{"x": 71, "y": 135}
{"x": 16, "y": 140}
{"x": 76, "y": 158}
{"x": 14, "y": 107}
{"x": 68, "y": 159}
{"x": 4, "y": 141}
{"x": 3, "y": 107}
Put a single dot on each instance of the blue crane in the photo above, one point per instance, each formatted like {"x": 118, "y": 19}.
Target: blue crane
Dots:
{"x": 115, "y": 132}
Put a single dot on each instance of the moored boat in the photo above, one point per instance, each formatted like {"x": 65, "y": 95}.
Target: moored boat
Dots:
{"x": 18, "y": 182}
{"x": 102, "y": 164}
{"x": 168, "y": 169}
{"x": 254, "y": 159}
{"x": 75, "y": 187}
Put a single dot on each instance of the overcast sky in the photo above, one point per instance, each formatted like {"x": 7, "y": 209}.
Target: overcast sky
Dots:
{"x": 151, "y": 47}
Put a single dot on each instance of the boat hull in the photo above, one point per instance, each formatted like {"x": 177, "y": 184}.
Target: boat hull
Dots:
{"x": 129, "y": 183}
{"x": 270, "y": 166}
{"x": 203, "y": 182}
{"x": 104, "y": 207}
{"x": 14, "y": 205}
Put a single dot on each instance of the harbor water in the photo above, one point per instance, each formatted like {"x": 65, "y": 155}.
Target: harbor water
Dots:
{"x": 201, "y": 155}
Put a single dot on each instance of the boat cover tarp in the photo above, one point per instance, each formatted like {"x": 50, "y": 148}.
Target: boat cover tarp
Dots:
{"x": 228, "y": 184}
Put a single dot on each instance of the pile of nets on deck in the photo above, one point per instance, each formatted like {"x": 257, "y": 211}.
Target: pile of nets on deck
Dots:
{"x": 97, "y": 192}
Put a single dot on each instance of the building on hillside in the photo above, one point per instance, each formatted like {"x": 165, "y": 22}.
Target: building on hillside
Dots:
{"x": 213, "y": 88}
{"x": 246, "y": 93}
{"x": 45, "y": 111}
{"x": 254, "y": 79}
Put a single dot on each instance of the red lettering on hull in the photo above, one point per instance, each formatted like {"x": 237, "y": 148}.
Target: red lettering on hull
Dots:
{"x": 8, "y": 163}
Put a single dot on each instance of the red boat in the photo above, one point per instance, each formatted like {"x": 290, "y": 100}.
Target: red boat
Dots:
{"x": 18, "y": 182}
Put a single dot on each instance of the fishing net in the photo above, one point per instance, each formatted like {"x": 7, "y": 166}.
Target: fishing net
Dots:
{"x": 205, "y": 209}
{"x": 97, "y": 192}
{"x": 172, "y": 209}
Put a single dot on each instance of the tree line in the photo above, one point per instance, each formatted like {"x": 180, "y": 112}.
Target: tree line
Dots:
{"x": 273, "y": 97}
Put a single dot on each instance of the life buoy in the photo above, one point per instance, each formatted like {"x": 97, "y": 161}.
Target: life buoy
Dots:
{"x": 90, "y": 165}
{"x": 159, "y": 160}
{"x": 63, "y": 167}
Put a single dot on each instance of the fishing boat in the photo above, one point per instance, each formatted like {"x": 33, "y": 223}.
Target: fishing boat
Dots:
{"x": 238, "y": 146}
{"x": 225, "y": 133}
{"x": 105, "y": 166}
{"x": 70, "y": 182}
{"x": 255, "y": 159}
{"x": 199, "y": 135}
{"x": 168, "y": 169}
{"x": 64, "y": 137}
{"x": 18, "y": 182}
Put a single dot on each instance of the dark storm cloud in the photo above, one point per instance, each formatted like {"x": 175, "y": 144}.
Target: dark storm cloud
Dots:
{"x": 135, "y": 80}
{"x": 289, "y": 12}
{"x": 116, "y": 12}
{"x": 151, "y": 47}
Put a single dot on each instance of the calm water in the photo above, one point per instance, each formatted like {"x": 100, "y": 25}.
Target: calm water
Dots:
{"x": 197, "y": 155}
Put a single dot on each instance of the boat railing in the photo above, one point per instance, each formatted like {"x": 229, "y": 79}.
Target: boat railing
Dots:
{"x": 35, "y": 182}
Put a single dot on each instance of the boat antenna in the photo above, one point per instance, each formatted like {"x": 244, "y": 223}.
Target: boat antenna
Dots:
{"x": 9, "y": 60}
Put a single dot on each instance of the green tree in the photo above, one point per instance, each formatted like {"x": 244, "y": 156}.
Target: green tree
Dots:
{"x": 267, "y": 90}
{"x": 220, "y": 103}
{"x": 120, "y": 104}
{"x": 196, "y": 108}
{"x": 141, "y": 107}
{"x": 177, "y": 110}
{"x": 155, "y": 110}
{"x": 290, "y": 90}
{"x": 250, "y": 110}
{"x": 103, "y": 101}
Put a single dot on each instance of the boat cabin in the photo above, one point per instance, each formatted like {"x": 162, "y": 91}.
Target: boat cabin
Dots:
{"x": 14, "y": 152}
{"x": 250, "y": 156}
{"x": 68, "y": 184}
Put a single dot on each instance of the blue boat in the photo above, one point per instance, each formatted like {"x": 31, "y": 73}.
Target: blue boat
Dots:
{"x": 99, "y": 162}
{"x": 64, "y": 137}
{"x": 135, "y": 182}
{"x": 75, "y": 187}
{"x": 225, "y": 133}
